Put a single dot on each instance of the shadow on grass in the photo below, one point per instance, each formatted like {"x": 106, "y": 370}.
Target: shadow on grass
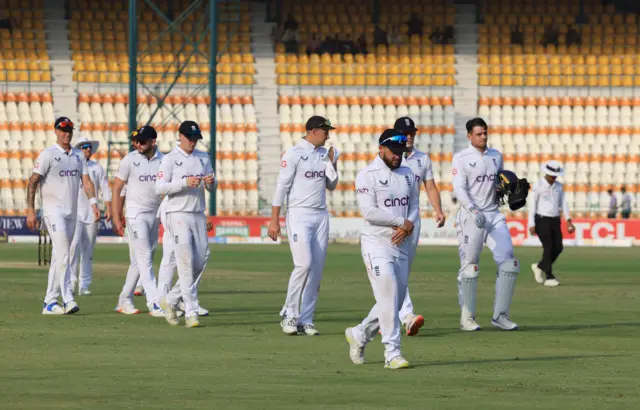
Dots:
{"x": 239, "y": 292}
{"x": 564, "y": 328}
{"x": 513, "y": 359}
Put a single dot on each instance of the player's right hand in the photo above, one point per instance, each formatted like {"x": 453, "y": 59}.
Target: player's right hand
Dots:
{"x": 118, "y": 227}
{"x": 274, "y": 230}
{"x": 479, "y": 219}
{"x": 532, "y": 230}
{"x": 407, "y": 226}
{"x": 193, "y": 182}
{"x": 399, "y": 235}
{"x": 32, "y": 221}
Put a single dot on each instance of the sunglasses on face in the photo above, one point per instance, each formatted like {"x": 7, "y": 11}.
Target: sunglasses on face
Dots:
{"x": 85, "y": 146}
{"x": 399, "y": 139}
{"x": 65, "y": 124}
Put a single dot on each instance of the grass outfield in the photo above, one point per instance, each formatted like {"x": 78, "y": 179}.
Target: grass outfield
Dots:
{"x": 577, "y": 346}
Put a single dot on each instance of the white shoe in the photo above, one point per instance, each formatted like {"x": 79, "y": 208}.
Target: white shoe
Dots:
{"x": 139, "y": 291}
{"x": 52, "y": 308}
{"x": 289, "y": 326}
{"x": 192, "y": 322}
{"x": 504, "y": 322}
{"x": 127, "y": 308}
{"x": 308, "y": 329}
{"x": 413, "y": 323}
{"x": 201, "y": 311}
{"x": 356, "y": 352}
{"x": 538, "y": 273}
{"x": 397, "y": 362}
{"x": 84, "y": 292}
{"x": 552, "y": 283}
{"x": 156, "y": 311}
{"x": 469, "y": 324}
{"x": 71, "y": 308}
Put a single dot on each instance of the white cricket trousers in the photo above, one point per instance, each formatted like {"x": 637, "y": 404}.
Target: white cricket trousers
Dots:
{"x": 59, "y": 283}
{"x": 84, "y": 241}
{"x": 190, "y": 244}
{"x": 407, "y": 305}
{"x": 168, "y": 267}
{"x": 143, "y": 236}
{"x": 471, "y": 239}
{"x": 308, "y": 234}
{"x": 389, "y": 277}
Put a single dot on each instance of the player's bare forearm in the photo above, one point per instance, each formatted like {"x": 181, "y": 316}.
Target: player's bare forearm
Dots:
{"x": 275, "y": 213}
{"x": 434, "y": 195}
{"x": 32, "y": 188}
{"x": 88, "y": 187}
{"x": 116, "y": 198}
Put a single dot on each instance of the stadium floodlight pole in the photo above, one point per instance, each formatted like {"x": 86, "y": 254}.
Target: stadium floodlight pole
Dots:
{"x": 213, "y": 53}
{"x": 133, "y": 67}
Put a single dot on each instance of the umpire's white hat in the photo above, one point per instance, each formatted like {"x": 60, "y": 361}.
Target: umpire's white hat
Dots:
{"x": 84, "y": 140}
{"x": 553, "y": 168}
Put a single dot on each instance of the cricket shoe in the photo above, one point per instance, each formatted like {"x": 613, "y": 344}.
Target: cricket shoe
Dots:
{"x": 308, "y": 329}
{"x": 552, "y": 283}
{"x": 538, "y": 273}
{"x": 413, "y": 323}
{"x": 170, "y": 312}
{"x": 356, "y": 352}
{"x": 504, "y": 322}
{"x": 126, "y": 308}
{"x": 289, "y": 326}
{"x": 52, "y": 308}
{"x": 192, "y": 322}
{"x": 201, "y": 311}
{"x": 84, "y": 292}
{"x": 71, "y": 307}
{"x": 139, "y": 291}
{"x": 155, "y": 310}
{"x": 469, "y": 324}
{"x": 397, "y": 362}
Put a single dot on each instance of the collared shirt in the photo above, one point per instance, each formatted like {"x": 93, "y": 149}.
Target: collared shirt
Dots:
{"x": 613, "y": 203}
{"x": 139, "y": 173}
{"x": 547, "y": 200}
{"x": 101, "y": 184}
{"x": 474, "y": 178}
{"x": 420, "y": 164}
{"x": 305, "y": 175}
{"x": 386, "y": 198}
{"x": 176, "y": 167}
{"x": 626, "y": 202}
{"x": 61, "y": 179}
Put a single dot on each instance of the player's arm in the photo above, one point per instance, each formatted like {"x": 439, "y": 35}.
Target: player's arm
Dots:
{"x": 332, "y": 169}
{"x": 413, "y": 212}
{"x": 366, "y": 197}
{"x": 164, "y": 183}
{"x": 105, "y": 191}
{"x": 533, "y": 205}
{"x": 210, "y": 181}
{"x": 460, "y": 185}
{"x": 40, "y": 170}
{"x": 433, "y": 193}
{"x": 287, "y": 174}
{"x": 90, "y": 191}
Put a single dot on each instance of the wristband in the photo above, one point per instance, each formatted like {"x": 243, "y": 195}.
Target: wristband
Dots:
{"x": 93, "y": 201}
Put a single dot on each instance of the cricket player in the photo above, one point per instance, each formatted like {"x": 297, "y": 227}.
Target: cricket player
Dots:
{"x": 84, "y": 238}
{"x": 183, "y": 176}
{"x": 387, "y": 195}
{"x": 420, "y": 164}
{"x": 168, "y": 266}
{"x": 307, "y": 171}
{"x": 138, "y": 171}
{"x": 547, "y": 199}
{"x": 479, "y": 221}
{"x": 58, "y": 172}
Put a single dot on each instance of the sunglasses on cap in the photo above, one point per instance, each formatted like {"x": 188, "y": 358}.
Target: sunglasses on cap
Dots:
{"x": 65, "y": 124}
{"x": 85, "y": 146}
{"x": 398, "y": 139}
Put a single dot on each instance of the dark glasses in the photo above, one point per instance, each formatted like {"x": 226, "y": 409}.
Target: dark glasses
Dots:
{"x": 398, "y": 139}
{"x": 65, "y": 124}
{"x": 85, "y": 146}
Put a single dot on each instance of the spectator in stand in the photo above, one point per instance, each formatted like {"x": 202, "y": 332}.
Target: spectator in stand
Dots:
{"x": 437, "y": 36}
{"x": 290, "y": 23}
{"x": 5, "y": 21}
{"x": 517, "y": 36}
{"x": 625, "y": 207}
{"x": 290, "y": 39}
{"x": 613, "y": 205}
{"x": 572, "y": 37}
{"x": 361, "y": 42}
{"x": 415, "y": 25}
{"x": 395, "y": 36}
{"x": 313, "y": 46}
{"x": 550, "y": 36}
{"x": 380, "y": 37}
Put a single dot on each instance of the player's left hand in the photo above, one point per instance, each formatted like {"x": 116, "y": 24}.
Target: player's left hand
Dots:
{"x": 209, "y": 179}
{"x": 96, "y": 212}
{"x": 440, "y": 219}
{"x": 570, "y": 227}
{"x": 107, "y": 214}
{"x": 399, "y": 235}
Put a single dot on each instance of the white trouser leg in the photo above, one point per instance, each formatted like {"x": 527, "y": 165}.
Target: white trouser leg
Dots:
{"x": 173, "y": 297}
{"x": 189, "y": 232}
{"x": 319, "y": 244}
{"x": 143, "y": 234}
{"x": 167, "y": 265}
{"x": 300, "y": 233}
{"x": 500, "y": 243}
{"x": 470, "y": 242}
{"x": 389, "y": 277}
{"x": 86, "y": 260}
{"x": 75, "y": 252}
{"x": 407, "y": 304}
{"x": 133, "y": 276}
{"x": 61, "y": 233}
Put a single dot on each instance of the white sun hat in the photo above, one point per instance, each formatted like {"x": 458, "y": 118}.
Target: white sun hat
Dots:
{"x": 84, "y": 140}
{"x": 553, "y": 168}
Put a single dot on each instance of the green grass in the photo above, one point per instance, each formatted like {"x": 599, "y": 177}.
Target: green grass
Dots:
{"x": 577, "y": 347}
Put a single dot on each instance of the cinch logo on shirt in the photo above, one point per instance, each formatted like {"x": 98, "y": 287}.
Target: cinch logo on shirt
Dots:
{"x": 362, "y": 190}
{"x": 314, "y": 174}
{"x": 147, "y": 178}
{"x": 195, "y": 176}
{"x": 69, "y": 173}
{"x": 484, "y": 178}
{"x": 392, "y": 202}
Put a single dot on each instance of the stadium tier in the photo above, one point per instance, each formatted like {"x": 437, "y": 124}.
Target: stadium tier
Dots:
{"x": 359, "y": 121}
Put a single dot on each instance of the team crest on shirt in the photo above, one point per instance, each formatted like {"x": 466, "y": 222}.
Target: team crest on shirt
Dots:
{"x": 406, "y": 178}
{"x": 178, "y": 164}
{"x": 304, "y": 158}
{"x": 137, "y": 164}
{"x": 376, "y": 269}
{"x": 202, "y": 162}
{"x": 53, "y": 227}
{"x": 295, "y": 237}
{"x": 57, "y": 159}
{"x": 77, "y": 158}
{"x": 419, "y": 164}
{"x": 495, "y": 163}
{"x": 384, "y": 183}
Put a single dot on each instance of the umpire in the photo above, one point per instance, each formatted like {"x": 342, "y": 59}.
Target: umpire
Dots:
{"x": 547, "y": 200}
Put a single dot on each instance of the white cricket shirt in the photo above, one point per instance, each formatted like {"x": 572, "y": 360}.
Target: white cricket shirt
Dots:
{"x": 139, "y": 173}
{"x": 99, "y": 179}
{"x": 386, "y": 198}
{"x": 626, "y": 202}
{"x": 546, "y": 200}
{"x": 61, "y": 179}
{"x": 475, "y": 175}
{"x": 305, "y": 175}
{"x": 176, "y": 167}
{"x": 420, "y": 164}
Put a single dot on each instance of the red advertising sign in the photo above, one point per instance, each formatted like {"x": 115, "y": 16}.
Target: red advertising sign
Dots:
{"x": 586, "y": 229}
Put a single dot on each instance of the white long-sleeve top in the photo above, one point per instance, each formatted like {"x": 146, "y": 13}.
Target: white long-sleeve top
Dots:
{"x": 474, "y": 178}
{"x": 305, "y": 174}
{"x": 175, "y": 168}
{"x": 420, "y": 164}
{"x": 139, "y": 174}
{"x": 547, "y": 200}
{"x": 61, "y": 180}
{"x": 386, "y": 198}
{"x": 101, "y": 184}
